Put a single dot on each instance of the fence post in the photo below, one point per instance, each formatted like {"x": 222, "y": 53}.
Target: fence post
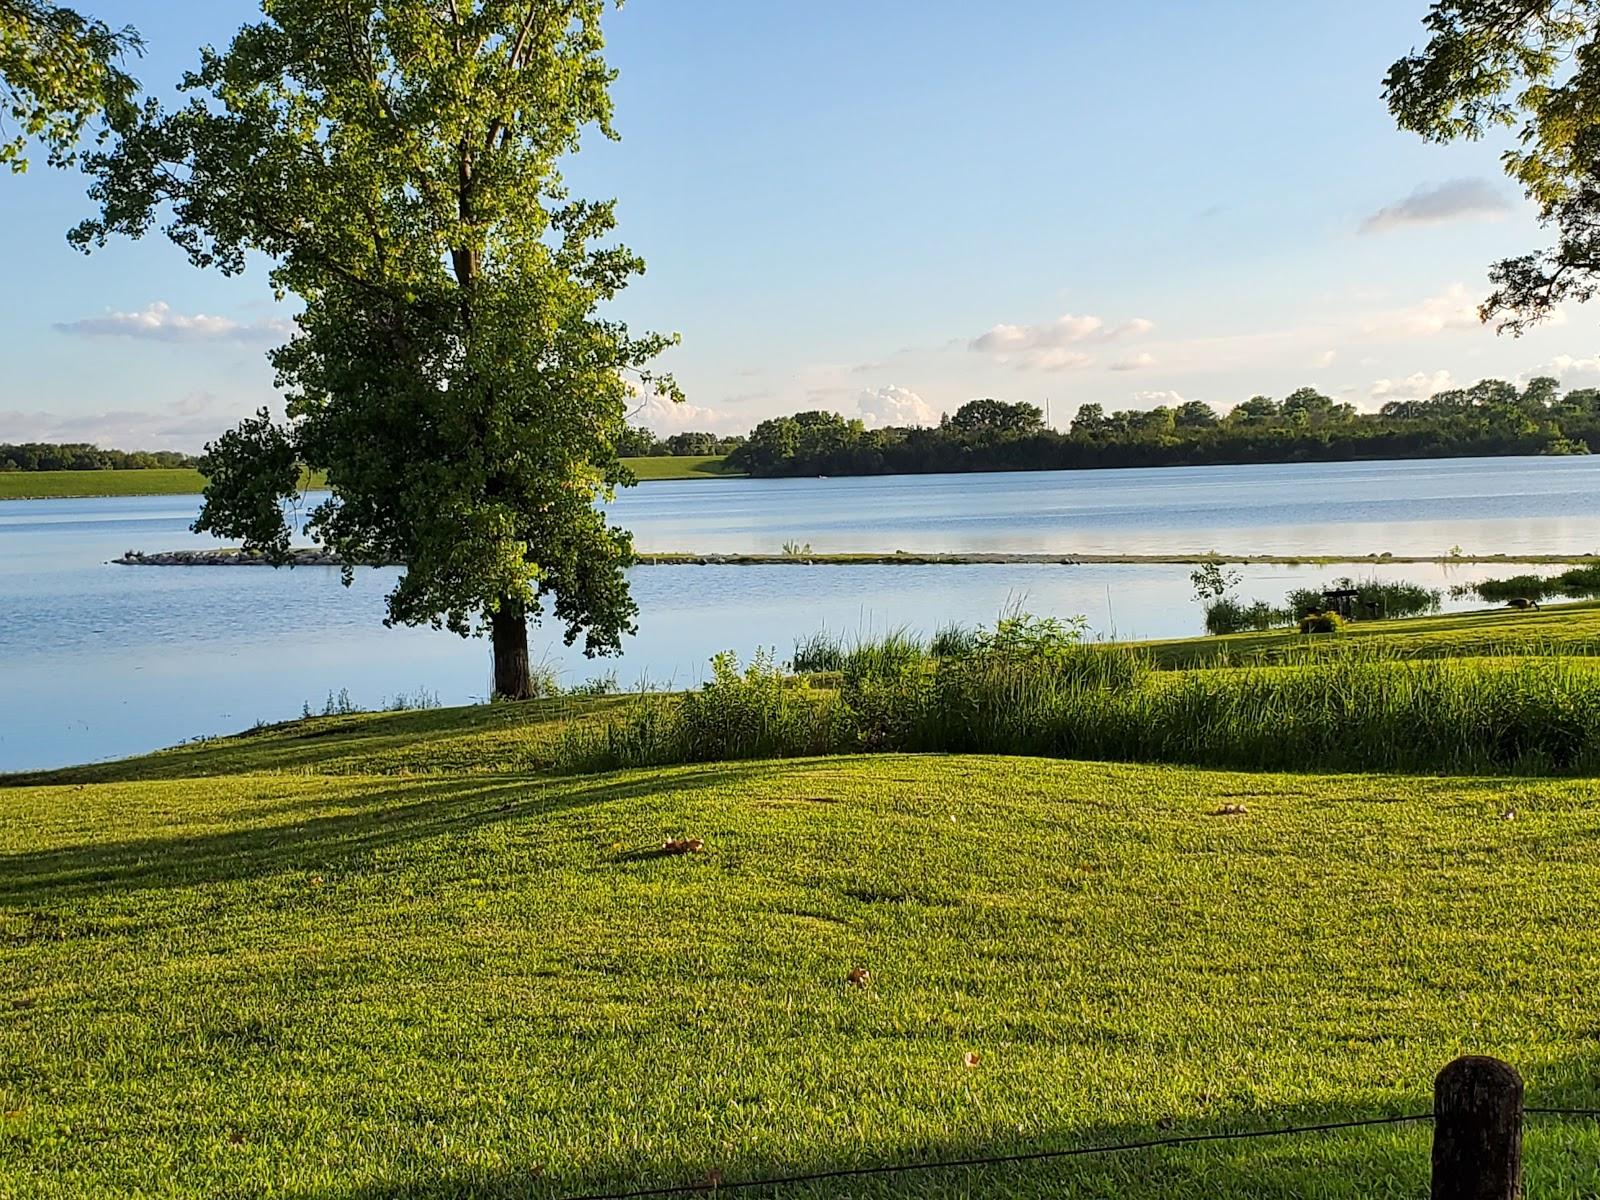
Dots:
{"x": 1477, "y": 1131}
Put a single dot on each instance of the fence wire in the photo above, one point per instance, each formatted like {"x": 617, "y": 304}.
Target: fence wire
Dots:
{"x": 1035, "y": 1156}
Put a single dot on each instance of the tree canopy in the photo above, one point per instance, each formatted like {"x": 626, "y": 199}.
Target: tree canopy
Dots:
{"x": 1532, "y": 66}
{"x": 453, "y": 373}
{"x": 59, "y": 70}
{"x": 1489, "y": 418}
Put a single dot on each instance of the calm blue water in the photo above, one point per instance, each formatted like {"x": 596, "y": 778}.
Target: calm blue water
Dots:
{"x": 98, "y": 661}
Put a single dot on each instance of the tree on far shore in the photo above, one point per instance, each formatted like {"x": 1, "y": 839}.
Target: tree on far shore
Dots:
{"x": 396, "y": 163}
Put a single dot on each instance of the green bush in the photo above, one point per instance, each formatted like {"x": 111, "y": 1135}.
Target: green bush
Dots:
{"x": 748, "y": 712}
{"x": 1575, "y": 582}
{"x": 1374, "y": 597}
{"x": 1322, "y": 622}
{"x": 1531, "y": 587}
{"x": 1230, "y": 616}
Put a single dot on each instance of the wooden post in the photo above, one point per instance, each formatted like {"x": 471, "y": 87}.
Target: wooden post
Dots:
{"x": 1477, "y": 1131}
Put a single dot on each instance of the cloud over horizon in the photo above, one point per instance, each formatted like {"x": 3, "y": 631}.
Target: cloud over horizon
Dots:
{"x": 186, "y": 425}
{"x": 1051, "y": 346}
{"x": 891, "y": 405}
{"x": 158, "y": 323}
{"x": 1453, "y": 200}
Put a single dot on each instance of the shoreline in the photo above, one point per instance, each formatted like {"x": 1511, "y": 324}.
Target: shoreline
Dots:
{"x": 316, "y": 557}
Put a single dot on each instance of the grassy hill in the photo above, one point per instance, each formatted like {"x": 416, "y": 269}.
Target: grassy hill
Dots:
{"x": 61, "y": 485}
{"x": 396, "y": 955}
{"x": 384, "y": 955}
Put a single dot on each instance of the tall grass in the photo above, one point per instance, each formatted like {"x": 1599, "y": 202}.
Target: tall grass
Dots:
{"x": 1336, "y": 707}
{"x": 1576, "y": 582}
{"x": 1381, "y": 598}
{"x": 1228, "y": 615}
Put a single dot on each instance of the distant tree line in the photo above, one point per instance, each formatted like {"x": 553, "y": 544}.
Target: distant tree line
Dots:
{"x": 80, "y": 456}
{"x": 1490, "y": 418}
{"x": 636, "y": 442}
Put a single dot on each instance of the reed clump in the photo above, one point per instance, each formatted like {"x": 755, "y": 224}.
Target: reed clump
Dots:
{"x": 1030, "y": 686}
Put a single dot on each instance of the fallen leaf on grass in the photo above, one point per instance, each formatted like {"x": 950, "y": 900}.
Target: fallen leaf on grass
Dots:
{"x": 860, "y": 976}
{"x": 682, "y": 846}
{"x": 971, "y": 1060}
{"x": 1231, "y": 810}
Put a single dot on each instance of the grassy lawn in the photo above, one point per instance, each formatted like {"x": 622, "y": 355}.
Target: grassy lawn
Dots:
{"x": 1555, "y": 629}
{"x": 684, "y": 466}
{"x": 62, "y": 485}
{"x": 73, "y": 485}
{"x": 351, "y": 979}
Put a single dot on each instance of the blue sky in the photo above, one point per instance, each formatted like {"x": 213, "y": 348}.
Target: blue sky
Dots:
{"x": 888, "y": 207}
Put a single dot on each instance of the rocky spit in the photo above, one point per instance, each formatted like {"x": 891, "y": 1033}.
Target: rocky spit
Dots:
{"x": 313, "y": 556}
{"x": 309, "y": 556}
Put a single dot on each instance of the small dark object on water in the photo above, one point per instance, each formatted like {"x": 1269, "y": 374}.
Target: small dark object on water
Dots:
{"x": 1523, "y": 603}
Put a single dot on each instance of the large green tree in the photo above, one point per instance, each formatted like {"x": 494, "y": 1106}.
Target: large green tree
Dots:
{"x": 59, "y": 70}
{"x": 1532, "y": 66}
{"x": 453, "y": 373}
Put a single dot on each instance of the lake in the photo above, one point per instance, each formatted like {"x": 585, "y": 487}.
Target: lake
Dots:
{"x": 99, "y": 661}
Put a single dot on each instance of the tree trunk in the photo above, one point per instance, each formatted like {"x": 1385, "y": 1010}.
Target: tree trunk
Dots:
{"x": 509, "y": 630}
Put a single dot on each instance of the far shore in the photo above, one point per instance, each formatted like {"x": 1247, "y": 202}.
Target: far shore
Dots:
{"x": 159, "y": 481}
{"x": 312, "y": 556}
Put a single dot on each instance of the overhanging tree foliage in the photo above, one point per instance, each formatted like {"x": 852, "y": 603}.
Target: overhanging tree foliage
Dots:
{"x": 396, "y": 161}
{"x": 58, "y": 71}
{"x": 1532, "y": 66}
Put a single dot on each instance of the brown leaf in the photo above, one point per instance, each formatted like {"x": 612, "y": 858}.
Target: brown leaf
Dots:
{"x": 860, "y": 976}
{"x": 971, "y": 1060}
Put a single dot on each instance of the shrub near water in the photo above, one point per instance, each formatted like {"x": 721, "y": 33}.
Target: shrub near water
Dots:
{"x": 1030, "y": 686}
{"x": 754, "y": 711}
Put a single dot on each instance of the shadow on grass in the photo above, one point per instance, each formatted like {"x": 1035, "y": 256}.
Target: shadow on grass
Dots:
{"x": 421, "y": 741}
{"x": 374, "y": 816}
{"x": 1376, "y": 1161}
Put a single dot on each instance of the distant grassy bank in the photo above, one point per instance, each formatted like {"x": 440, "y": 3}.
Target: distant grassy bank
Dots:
{"x": 66, "y": 485}
{"x": 686, "y": 466}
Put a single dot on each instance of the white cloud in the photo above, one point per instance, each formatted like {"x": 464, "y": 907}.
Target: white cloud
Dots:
{"x": 1050, "y": 346}
{"x": 663, "y": 416}
{"x": 1157, "y": 399}
{"x": 1456, "y": 308}
{"x": 159, "y": 323}
{"x": 185, "y": 424}
{"x": 1137, "y": 362}
{"x": 895, "y": 406}
{"x": 1564, "y": 365}
{"x": 1454, "y": 200}
{"x": 1420, "y": 386}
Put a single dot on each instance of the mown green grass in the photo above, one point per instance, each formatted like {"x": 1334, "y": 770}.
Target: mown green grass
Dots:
{"x": 63, "y": 485}
{"x": 681, "y": 466}
{"x": 1556, "y": 629}
{"x": 74, "y": 485}
{"x": 489, "y": 985}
